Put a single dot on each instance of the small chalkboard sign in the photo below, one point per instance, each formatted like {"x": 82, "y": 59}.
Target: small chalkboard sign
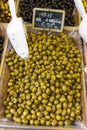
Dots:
{"x": 48, "y": 19}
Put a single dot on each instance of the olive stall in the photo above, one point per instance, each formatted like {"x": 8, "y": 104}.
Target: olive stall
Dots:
{"x": 48, "y": 89}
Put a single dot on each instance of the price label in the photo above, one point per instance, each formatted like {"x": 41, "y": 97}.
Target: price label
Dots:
{"x": 48, "y": 19}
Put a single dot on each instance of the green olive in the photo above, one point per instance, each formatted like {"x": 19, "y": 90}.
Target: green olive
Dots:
{"x": 37, "y": 122}
{"x": 39, "y": 114}
{"x": 67, "y": 122}
{"x": 54, "y": 122}
{"x": 43, "y": 121}
{"x": 18, "y": 120}
{"x": 47, "y": 117}
{"x": 31, "y": 121}
{"x": 58, "y": 117}
{"x": 48, "y": 123}
{"x": 25, "y": 121}
{"x": 28, "y": 117}
{"x": 12, "y": 111}
{"x": 72, "y": 114}
{"x": 59, "y": 111}
{"x": 34, "y": 116}
{"x": 9, "y": 115}
{"x": 60, "y": 123}
{"x": 64, "y": 112}
{"x": 25, "y": 112}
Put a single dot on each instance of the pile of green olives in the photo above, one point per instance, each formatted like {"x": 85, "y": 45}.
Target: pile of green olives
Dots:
{"x": 45, "y": 89}
{"x": 5, "y": 15}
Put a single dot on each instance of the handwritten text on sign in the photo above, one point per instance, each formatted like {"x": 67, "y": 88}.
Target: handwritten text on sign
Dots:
{"x": 49, "y": 19}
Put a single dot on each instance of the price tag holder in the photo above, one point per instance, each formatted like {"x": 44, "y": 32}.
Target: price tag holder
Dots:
{"x": 48, "y": 19}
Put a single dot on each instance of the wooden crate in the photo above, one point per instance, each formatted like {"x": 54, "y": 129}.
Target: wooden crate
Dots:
{"x": 77, "y": 17}
{"x": 5, "y": 77}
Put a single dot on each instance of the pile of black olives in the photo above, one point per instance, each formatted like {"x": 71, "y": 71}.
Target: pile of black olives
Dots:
{"x": 1, "y": 45}
{"x": 45, "y": 89}
{"x": 26, "y": 8}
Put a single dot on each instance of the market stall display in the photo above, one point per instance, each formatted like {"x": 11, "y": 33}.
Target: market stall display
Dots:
{"x": 47, "y": 90}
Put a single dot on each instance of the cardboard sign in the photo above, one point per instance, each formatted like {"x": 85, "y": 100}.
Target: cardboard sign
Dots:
{"x": 48, "y": 19}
